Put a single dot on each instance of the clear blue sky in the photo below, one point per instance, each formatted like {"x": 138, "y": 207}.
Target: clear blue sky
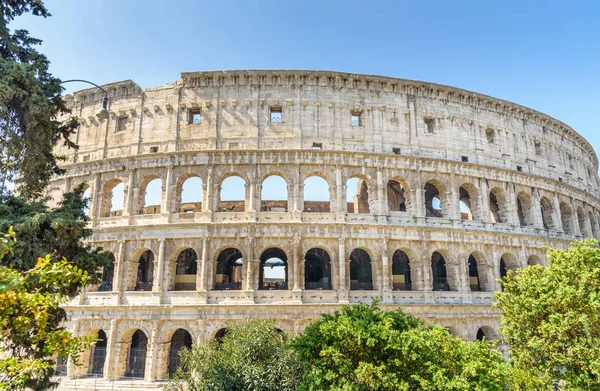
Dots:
{"x": 542, "y": 54}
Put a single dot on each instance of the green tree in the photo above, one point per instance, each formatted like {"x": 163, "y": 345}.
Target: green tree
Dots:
{"x": 362, "y": 347}
{"x": 253, "y": 356}
{"x": 30, "y": 103}
{"x": 551, "y": 320}
{"x": 30, "y": 320}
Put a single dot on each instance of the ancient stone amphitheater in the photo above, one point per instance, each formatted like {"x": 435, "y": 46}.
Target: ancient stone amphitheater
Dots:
{"x": 448, "y": 190}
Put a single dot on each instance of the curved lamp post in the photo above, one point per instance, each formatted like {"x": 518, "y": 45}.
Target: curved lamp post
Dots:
{"x": 103, "y": 112}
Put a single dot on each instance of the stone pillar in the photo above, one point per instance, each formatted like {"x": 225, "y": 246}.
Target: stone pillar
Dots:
{"x": 130, "y": 191}
{"x": 110, "y": 365}
{"x": 167, "y": 206}
{"x": 454, "y": 204}
{"x": 119, "y": 268}
{"x": 386, "y": 287}
{"x": 558, "y": 221}
{"x": 342, "y": 286}
{"x": 249, "y": 285}
{"x": 297, "y": 196}
{"x": 513, "y": 210}
{"x": 251, "y": 196}
{"x": 208, "y": 191}
{"x": 340, "y": 191}
{"x": 575, "y": 219}
{"x": 71, "y": 367}
{"x": 160, "y": 267}
{"x": 536, "y": 206}
{"x": 588, "y": 226}
{"x": 202, "y": 277}
{"x": 418, "y": 203}
{"x": 297, "y": 262}
{"x": 484, "y": 199}
{"x": 152, "y": 356}
{"x": 381, "y": 206}
{"x": 496, "y": 268}
{"x": 96, "y": 195}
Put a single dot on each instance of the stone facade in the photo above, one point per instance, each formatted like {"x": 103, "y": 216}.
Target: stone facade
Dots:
{"x": 418, "y": 150}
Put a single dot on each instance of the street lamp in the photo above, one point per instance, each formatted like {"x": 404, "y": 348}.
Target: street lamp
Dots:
{"x": 103, "y": 112}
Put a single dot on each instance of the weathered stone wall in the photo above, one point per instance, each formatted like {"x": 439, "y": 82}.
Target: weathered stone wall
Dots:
{"x": 529, "y": 181}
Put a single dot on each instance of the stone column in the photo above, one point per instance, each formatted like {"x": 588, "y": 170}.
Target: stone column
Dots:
{"x": 208, "y": 191}
{"x": 297, "y": 195}
{"x": 128, "y": 207}
{"x": 496, "y": 268}
{"x": 342, "y": 265}
{"x": 339, "y": 189}
{"x": 249, "y": 285}
{"x": 202, "y": 277}
{"x": 575, "y": 219}
{"x": 166, "y": 206}
{"x": 381, "y": 207}
{"x": 96, "y": 198}
{"x": 386, "y": 288}
{"x": 119, "y": 268}
{"x": 110, "y": 365}
{"x": 160, "y": 267}
{"x": 251, "y": 196}
{"x": 454, "y": 204}
{"x": 71, "y": 367}
{"x": 151, "y": 356}
{"x": 536, "y": 206}
{"x": 557, "y": 221}
{"x": 484, "y": 199}
{"x": 297, "y": 262}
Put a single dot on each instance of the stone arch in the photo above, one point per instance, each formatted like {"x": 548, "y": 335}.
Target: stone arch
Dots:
{"x": 86, "y": 195}
{"x": 232, "y": 193}
{"x": 534, "y": 260}
{"x": 317, "y": 194}
{"x": 498, "y": 206}
{"x": 525, "y": 209}
{"x": 189, "y": 193}
{"x": 507, "y": 262}
{"x": 468, "y": 197}
{"x": 220, "y": 334}
{"x": 485, "y": 333}
{"x": 317, "y": 269}
{"x": 362, "y": 197}
{"x": 361, "y": 270}
{"x": 142, "y": 270}
{"x": 436, "y": 202}
{"x": 439, "y": 271}
{"x": 275, "y": 195}
{"x": 136, "y": 353}
{"x": 397, "y": 198}
{"x": 276, "y": 278}
{"x": 547, "y": 211}
{"x": 150, "y": 194}
{"x": 108, "y": 275}
{"x": 473, "y": 274}
{"x": 581, "y": 221}
{"x": 97, "y": 359}
{"x": 183, "y": 269}
{"x": 113, "y": 198}
{"x": 566, "y": 217}
{"x": 180, "y": 339}
{"x": 484, "y": 278}
{"x": 401, "y": 272}
{"x": 229, "y": 275}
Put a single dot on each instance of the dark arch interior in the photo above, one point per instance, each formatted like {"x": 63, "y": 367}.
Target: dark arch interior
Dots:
{"x": 145, "y": 272}
{"x": 136, "y": 363}
{"x": 438, "y": 268}
{"x": 433, "y": 207}
{"x": 108, "y": 273}
{"x": 273, "y": 272}
{"x": 221, "y": 334}
{"x": 317, "y": 269}
{"x": 361, "y": 274}
{"x": 473, "y": 274}
{"x": 229, "y": 270}
{"x": 185, "y": 270}
{"x": 396, "y": 197}
{"x": 180, "y": 340}
{"x": 480, "y": 335}
{"x": 494, "y": 208}
{"x": 98, "y": 357}
{"x": 503, "y": 269}
{"x": 401, "y": 271}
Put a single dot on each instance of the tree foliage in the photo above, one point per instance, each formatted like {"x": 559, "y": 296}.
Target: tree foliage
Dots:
{"x": 362, "y": 347}
{"x": 30, "y": 103}
{"x": 31, "y": 319}
{"x": 551, "y": 320}
{"x": 253, "y": 356}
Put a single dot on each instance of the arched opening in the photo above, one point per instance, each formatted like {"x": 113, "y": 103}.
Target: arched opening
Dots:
{"x": 546, "y": 208}
{"x": 180, "y": 340}
{"x": 98, "y": 356}
{"x": 108, "y": 273}
{"x": 466, "y": 211}
{"x": 480, "y": 335}
{"x": 317, "y": 269}
{"x": 190, "y": 197}
{"x": 61, "y": 366}
{"x": 524, "y": 209}
{"x": 396, "y": 196}
{"x": 439, "y": 275}
{"x": 274, "y": 194}
{"x": 233, "y": 195}
{"x": 185, "y": 270}
{"x": 229, "y": 270}
{"x": 433, "y": 202}
{"x": 593, "y": 224}
{"x": 361, "y": 273}
{"x": 273, "y": 273}
{"x": 150, "y": 196}
{"x": 473, "y": 274}
{"x": 316, "y": 195}
{"x": 566, "y": 217}
{"x": 507, "y": 262}
{"x": 497, "y": 210}
{"x": 87, "y": 197}
{"x": 136, "y": 362}
{"x": 357, "y": 196}
{"x": 113, "y": 199}
{"x": 581, "y": 221}
{"x": 534, "y": 260}
{"x": 401, "y": 271}
{"x": 219, "y": 335}
{"x": 145, "y": 272}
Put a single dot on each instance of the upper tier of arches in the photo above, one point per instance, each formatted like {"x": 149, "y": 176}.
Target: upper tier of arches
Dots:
{"x": 235, "y": 110}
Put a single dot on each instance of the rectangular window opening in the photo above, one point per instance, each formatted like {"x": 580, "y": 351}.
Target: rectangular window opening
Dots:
{"x": 429, "y": 125}
{"x": 276, "y": 115}
{"x": 465, "y": 159}
{"x": 396, "y": 151}
{"x": 538, "y": 148}
{"x": 121, "y": 124}
{"x": 519, "y": 168}
{"x": 194, "y": 117}
{"x": 153, "y": 149}
{"x": 356, "y": 118}
{"x": 317, "y": 146}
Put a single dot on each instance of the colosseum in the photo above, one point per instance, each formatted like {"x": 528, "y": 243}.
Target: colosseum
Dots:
{"x": 419, "y": 194}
